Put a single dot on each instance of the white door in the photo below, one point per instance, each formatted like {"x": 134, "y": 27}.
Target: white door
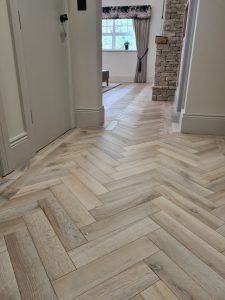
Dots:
{"x": 16, "y": 130}
{"x": 46, "y": 67}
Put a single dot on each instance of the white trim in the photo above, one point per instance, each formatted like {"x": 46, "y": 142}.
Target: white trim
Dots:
{"x": 70, "y": 71}
{"x": 124, "y": 51}
{"x": 23, "y": 136}
{"x": 203, "y": 124}
{"x": 128, "y": 79}
{"x": 90, "y": 117}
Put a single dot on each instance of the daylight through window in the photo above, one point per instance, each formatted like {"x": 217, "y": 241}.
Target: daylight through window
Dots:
{"x": 115, "y": 33}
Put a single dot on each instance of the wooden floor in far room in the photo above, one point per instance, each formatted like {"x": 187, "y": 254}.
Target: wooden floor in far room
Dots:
{"x": 133, "y": 210}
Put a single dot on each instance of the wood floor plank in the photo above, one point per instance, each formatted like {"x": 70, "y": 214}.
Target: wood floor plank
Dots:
{"x": 158, "y": 291}
{"x": 194, "y": 225}
{"x": 130, "y": 172}
{"x": 89, "y": 276}
{"x": 30, "y": 274}
{"x": 2, "y": 244}
{"x": 220, "y": 212}
{"x": 11, "y": 226}
{"x": 54, "y": 257}
{"x": 74, "y": 208}
{"x": 200, "y": 248}
{"x": 85, "y": 196}
{"x": 193, "y": 266}
{"x": 182, "y": 285}
{"x": 185, "y": 181}
{"x": 36, "y": 187}
{"x": 129, "y": 181}
{"x": 104, "y": 157}
{"x": 181, "y": 157}
{"x": 123, "y": 286}
{"x": 84, "y": 163}
{"x": 8, "y": 285}
{"x": 190, "y": 194}
{"x": 88, "y": 180}
{"x": 104, "y": 245}
{"x": 69, "y": 235}
{"x": 105, "y": 226}
{"x": 111, "y": 208}
{"x": 206, "y": 217}
{"x": 101, "y": 164}
{"x": 138, "y": 297}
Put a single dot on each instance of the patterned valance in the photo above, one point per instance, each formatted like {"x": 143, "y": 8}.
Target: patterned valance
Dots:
{"x": 126, "y": 12}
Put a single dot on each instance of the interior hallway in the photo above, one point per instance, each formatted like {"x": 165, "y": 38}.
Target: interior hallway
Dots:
{"x": 134, "y": 210}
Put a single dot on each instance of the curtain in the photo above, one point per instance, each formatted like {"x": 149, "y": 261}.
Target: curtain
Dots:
{"x": 142, "y": 29}
{"x": 126, "y": 12}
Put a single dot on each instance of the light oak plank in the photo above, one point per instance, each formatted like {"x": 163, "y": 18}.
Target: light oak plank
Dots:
{"x": 123, "y": 286}
{"x": 191, "y": 223}
{"x": 208, "y": 279}
{"x": 85, "y": 196}
{"x": 182, "y": 285}
{"x": 8, "y": 285}
{"x": 158, "y": 291}
{"x": 30, "y": 274}
{"x": 74, "y": 208}
{"x": 84, "y": 163}
{"x": 89, "y": 276}
{"x": 88, "y": 180}
{"x": 69, "y": 235}
{"x": 111, "y": 208}
{"x": 105, "y": 226}
{"x": 206, "y": 217}
{"x": 104, "y": 245}
{"x": 200, "y": 248}
{"x": 54, "y": 257}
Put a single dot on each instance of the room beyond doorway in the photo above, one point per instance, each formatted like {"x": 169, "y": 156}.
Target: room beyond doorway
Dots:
{"x": 120, "y": 49}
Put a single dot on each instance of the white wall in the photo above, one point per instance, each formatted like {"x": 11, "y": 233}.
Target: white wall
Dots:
{"x": 205, "y": 99}
{"x": 8, "y": 79}
{"x": 85, "y": 30}
{"x": 122, "y": 65}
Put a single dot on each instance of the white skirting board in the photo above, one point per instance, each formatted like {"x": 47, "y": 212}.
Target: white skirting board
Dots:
{"x": 90, "y": 117}
{"x": 202, "y": 124}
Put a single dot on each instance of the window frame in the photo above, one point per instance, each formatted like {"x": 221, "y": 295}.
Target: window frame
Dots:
{"x": 114, "y": 34}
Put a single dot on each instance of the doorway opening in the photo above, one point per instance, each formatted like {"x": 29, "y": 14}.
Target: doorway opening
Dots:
{"x": 128, "y": 51}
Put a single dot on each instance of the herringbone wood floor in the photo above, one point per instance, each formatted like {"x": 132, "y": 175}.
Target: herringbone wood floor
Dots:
{"x": 134, "y": 210}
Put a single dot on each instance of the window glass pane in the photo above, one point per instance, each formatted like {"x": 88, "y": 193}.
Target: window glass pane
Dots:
{"x": 109, "y": 22}
{"x": 107, "y": 42}
{"x": 116, "y": 33}
{"x": 132, "y": 41}
{"x": 104, "y": 29}
{"x": 120, "y": 40}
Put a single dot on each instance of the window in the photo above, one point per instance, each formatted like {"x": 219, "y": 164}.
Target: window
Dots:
{"x": 117, "y": 32}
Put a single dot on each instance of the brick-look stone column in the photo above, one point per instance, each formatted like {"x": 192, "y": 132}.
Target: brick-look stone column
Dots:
{"x": 168, "y": 55}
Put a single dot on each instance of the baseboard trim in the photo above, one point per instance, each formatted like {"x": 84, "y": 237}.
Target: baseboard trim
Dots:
{"x": 89, "y": 117}
{"x": 201, "y": 124}
{"x": 121, "y": 79}
{"x": 130, "y": 79}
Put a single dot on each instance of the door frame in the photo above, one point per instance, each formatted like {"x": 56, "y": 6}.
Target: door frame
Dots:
{"x": 186, "y": 55}
{"x": 26, "y": 103}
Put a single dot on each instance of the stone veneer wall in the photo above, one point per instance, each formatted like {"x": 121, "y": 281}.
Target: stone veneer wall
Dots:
{"x": 168, "y": 56}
